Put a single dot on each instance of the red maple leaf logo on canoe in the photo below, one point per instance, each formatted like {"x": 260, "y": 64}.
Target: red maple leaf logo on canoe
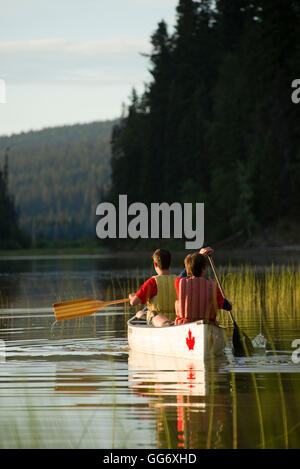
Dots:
{"x": 190, "y": 341}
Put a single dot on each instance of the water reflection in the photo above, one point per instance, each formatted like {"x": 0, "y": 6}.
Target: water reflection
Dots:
{"x": 233, "y": 403}
{"x": 39, "y": 281}
{"x": 191, "y": 400}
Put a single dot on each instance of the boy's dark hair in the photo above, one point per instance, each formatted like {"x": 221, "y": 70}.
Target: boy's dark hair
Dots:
{"x": 162, "y": 257}
{"x": 194, "y": 264}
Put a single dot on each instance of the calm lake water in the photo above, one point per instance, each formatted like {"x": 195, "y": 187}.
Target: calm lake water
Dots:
{"x": 75, "y": 384}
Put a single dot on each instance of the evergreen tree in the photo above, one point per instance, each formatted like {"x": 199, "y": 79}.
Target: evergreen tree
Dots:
{"x": 156, "y": 106}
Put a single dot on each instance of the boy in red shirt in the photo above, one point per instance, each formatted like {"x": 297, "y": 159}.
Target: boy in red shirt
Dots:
{"x": 198, "y": 297}
{"x": 158, "y": 292}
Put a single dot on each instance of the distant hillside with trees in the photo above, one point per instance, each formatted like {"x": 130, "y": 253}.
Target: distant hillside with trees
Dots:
{"x": 57, "y": 177}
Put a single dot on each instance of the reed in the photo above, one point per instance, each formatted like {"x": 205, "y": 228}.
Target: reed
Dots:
{"x": 273, "y": 294}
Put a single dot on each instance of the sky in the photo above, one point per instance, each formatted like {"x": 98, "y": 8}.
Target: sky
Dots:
{"x": 73, "y": 61}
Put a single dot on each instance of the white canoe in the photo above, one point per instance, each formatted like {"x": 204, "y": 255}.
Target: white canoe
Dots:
{"x": 195, "y": 340}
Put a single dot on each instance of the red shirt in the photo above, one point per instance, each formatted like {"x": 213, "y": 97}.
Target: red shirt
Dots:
{"x": 220, "y": 297}
{"x": 147, "y": 290}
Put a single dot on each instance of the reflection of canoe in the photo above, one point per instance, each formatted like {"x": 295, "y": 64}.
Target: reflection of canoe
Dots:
{"x": 189, "y": 398}
{"x": 154, "y": 374}
{"x": 196, "y": 340}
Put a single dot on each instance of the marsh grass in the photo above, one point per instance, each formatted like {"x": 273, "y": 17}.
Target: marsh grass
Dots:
{"x": 257, "y": 297}
{"x": 266, "y": 302}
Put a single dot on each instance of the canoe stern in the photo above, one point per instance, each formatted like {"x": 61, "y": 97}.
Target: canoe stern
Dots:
{"x": 193, "y": 340}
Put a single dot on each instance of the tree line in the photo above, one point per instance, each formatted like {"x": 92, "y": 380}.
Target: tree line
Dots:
{"x": 216, "y": 123}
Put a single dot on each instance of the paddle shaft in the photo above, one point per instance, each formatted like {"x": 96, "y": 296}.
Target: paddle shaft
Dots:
{"x": 114, "y": 302}
{"x": 242, "y": 345}
{"x": 212, "y": 264}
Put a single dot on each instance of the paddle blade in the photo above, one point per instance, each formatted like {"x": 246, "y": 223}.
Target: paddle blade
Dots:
{"x": 76, "y": 308}
{"x": 83, "y": 307}
{"x": 242, "y": 345}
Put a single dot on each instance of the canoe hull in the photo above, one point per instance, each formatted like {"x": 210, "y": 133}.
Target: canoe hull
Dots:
{"x": 197, "y": 340}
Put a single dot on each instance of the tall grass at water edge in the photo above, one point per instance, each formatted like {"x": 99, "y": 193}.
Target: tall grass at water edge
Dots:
{"x": 268, "y": 296}
{"x": 267, "y": 303}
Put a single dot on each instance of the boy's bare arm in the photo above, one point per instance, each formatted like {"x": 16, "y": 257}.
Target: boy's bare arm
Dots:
{"x": 133, "y": 299}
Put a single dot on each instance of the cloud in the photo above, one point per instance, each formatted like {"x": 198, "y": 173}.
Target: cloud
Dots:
{"x": 113, "y": 45}
{"x": 65, "y": 61}
{"x": 54, "y": 59}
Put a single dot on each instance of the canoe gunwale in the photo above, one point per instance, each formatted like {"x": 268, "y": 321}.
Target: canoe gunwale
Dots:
{"x": 143, "y": 324}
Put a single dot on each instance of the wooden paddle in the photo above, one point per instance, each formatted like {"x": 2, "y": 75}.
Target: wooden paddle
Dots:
{"x": 83, "y": 307}
{"x": 242, "y": 345}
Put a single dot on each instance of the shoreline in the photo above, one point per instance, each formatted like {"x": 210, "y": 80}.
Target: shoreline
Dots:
{"x": 287, "y": 254}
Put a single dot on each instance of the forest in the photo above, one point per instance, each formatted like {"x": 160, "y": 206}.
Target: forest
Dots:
{"x": 216, "y": 123}
{"x": 58, "y": 176}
